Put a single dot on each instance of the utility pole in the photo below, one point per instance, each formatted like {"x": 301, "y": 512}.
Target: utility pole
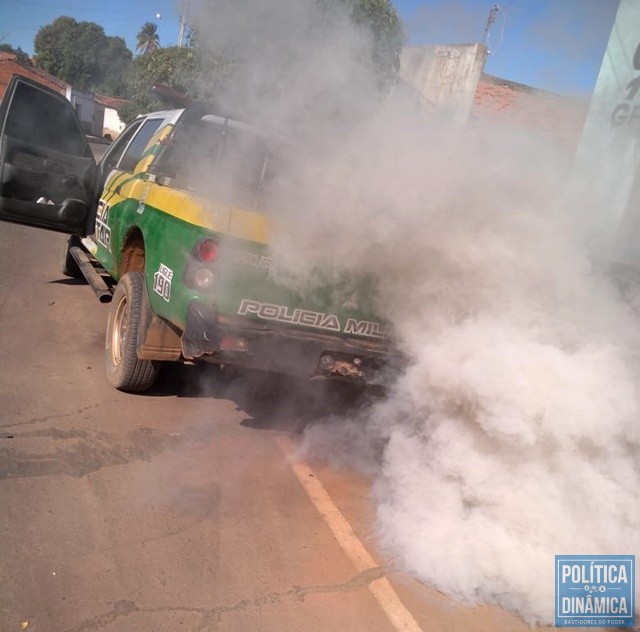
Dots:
{"x": 183, "y": 25}
{"x": 490, "y": 22}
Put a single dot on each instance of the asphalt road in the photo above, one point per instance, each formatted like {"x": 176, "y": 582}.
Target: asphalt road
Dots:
{"x": 174, "y": 510}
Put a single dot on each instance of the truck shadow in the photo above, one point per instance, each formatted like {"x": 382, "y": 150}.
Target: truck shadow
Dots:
{"x": 68, "y": 281}
{"x": 272, "y": 402}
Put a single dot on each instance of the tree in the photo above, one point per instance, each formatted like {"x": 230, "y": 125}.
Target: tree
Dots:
{"x": 82, "y": 54}
{"x": 172, "y": 66}
{"x": 21, "y": 57}
{"x": 70, "y": 50}
{"x": 276, "y": 33}
{"x": 148, "y": 38}
{"x": 114, "y": 64}
{"x": 381, "y": 18}
{"x": 219, "y": 62}
{"x": 304, "y": 58}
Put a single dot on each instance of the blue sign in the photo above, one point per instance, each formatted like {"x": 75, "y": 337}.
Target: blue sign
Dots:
{"x": 595, "y": 591}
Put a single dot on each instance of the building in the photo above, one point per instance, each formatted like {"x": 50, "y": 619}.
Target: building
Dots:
{"x": 450, "y": 79}
{"x": 443, "y": 78}
{"x": 9, "y": 67}
{"x": 505, "y": 102}
{"x": 112, "y": 124}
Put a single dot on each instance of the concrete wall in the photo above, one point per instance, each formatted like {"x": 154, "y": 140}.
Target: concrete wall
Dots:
{"x": 444, "y": 78}
{"x": 112, "y": 123}
{"x": 90, "y": 113}
{"x": 604, "y": 185}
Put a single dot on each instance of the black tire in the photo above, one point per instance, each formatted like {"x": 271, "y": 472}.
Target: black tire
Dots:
{"x": 124, "y": 369}
{"x": 68, "y": 265}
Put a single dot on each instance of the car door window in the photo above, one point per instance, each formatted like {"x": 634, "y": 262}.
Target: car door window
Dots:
{"x": 135, "y": 149}
{"x": 33, "y": 120}
{"x": 211, "y": 158}
{"x": 114, "y": 153}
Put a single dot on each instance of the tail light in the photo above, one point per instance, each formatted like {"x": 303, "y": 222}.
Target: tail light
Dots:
{"x": 200, "y": 272}
{"x": 203, "y": 278}
{"x": 208, "y": 251}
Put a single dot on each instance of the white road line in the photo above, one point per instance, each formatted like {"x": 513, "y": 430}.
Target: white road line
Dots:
{"x": 382, "y": 590}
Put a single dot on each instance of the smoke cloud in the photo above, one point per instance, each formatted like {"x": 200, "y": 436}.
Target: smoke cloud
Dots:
{"x": 513, "y": 434}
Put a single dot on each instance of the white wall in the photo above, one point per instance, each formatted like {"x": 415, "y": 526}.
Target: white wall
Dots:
{"x": 112, "y": 122}
{"x": 444, "y": 77}
{"x": 605, "y": 181}
{"x": 89, "y": 113}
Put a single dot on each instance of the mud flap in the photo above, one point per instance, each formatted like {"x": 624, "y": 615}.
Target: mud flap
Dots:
{"x": 157, "y": 340}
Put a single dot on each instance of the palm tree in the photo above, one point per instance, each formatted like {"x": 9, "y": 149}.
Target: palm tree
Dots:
{"x": 148, "y": 38}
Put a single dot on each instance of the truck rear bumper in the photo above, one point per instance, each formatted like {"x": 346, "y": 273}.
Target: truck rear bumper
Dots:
{"x": 300, "y": 353}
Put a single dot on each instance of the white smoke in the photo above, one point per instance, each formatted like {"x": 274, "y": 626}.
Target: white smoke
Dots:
{"x": 513, "y": 435}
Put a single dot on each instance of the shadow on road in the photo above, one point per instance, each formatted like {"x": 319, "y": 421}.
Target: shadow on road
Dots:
{"x": 272, "y": 402}
{"x": 69, "y": 281}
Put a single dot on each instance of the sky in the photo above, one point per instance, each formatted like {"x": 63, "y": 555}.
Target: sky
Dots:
{"x": 556, "y": 45}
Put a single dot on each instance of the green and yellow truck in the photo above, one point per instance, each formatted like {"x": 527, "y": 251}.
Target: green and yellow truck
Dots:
{"x": 169, "y": 228}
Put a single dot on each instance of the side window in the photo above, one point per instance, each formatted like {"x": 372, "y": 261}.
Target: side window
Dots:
{"x": 134, "y": 151}
{"x": 192, "y": 148}
{"x": 224, "y": 160}
{"x": 244, "y": 162}
{"x": 116, "y": 150}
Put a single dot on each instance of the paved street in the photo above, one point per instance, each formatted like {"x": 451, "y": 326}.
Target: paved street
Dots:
{"x": 179, "y": 509}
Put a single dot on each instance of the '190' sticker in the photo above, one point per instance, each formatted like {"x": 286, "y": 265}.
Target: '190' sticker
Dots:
{"x": 162, "y": 282}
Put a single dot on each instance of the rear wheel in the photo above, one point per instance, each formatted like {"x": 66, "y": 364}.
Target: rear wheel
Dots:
{"x": 68, "y": 265}
{"x": 124, "y": 369}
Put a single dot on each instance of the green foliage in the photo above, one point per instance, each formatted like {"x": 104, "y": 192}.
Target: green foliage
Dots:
{"x": 199, "y": 71}
{"x": 21, "y": 57}
{"x": 172, "y": 66}
{"x": 148, "y": 39}
{"x": 114, "y": 64}
{"x": 81, "y": 54}
{"x": 69, "y": 50}
{"x": 261, "y": 38}
{"x": 381, "y": 17}
{"x": 131, "y": 110}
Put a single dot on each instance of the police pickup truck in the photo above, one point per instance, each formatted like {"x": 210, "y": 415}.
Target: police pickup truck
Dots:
{"x": 178, "y": 246}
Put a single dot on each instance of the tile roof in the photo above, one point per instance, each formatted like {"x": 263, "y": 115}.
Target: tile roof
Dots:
{"x": 9, "y": 67}
{"x": 109, "y": 102}
{"x": 509, "y": 102}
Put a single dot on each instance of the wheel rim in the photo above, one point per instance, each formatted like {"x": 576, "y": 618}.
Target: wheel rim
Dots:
{"x": 119, "y": 331}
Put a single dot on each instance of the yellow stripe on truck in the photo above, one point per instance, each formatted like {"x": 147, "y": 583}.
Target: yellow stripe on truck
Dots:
{"x": 249, "y": 225}
{"x": 215, "y": 216}
{"x": 180, "y": 204}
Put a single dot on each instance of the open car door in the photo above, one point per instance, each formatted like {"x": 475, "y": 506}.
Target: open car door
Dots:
{"x": 47, "y": 171}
